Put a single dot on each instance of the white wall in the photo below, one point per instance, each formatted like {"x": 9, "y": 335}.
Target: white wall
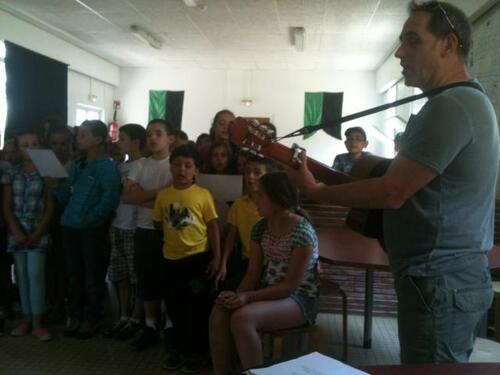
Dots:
{"x": 35, "y": 39}
{"x": 78, "y": 93}
{"x": 389, "y": 72}
{"x": 276, "y": 94}
{"x": 81, "y": 64}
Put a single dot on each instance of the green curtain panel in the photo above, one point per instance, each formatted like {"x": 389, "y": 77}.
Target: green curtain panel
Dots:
{"x": 166, "y": 105}
{"x": 323, "y": 108}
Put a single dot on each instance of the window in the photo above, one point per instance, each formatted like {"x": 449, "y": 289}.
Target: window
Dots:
{"x": 3, "y": 97}
{"x": 85, "y": 112}
{"x": 396, "y": 118}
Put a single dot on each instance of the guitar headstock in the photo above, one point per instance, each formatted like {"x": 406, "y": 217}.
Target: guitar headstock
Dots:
{"x": 250, "y": 135}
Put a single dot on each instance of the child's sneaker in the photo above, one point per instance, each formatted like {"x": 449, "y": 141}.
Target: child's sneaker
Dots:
{"x": 192, "y": 366}
{"x": 21, "y": 330}
{"x": 43, "y": 334}
{"x": 148, "y": 337}
{"x": 115, "y": 329}
{"x": 130, "y": 330}
{"x": 87, "y": 330}
{"x": 173, "y": 362}
{"x": 71, "y": 328}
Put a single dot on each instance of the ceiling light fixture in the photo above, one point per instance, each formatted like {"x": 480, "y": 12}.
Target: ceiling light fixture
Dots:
{"x": 146, "y": 37}
{"x": 247, "y": 102}
{"x": 195, "y": 4}
{"x": 298, "y": 35}
{"x": 92, "y": 97}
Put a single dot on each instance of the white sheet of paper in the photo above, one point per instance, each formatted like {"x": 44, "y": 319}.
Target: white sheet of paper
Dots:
{"x": 47, "y": 164}
{"x": 224, "y": 189}
{"x": 313, "y": 363}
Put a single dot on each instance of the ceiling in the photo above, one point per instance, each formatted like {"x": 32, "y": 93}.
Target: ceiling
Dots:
{"x": 228, "y": 34}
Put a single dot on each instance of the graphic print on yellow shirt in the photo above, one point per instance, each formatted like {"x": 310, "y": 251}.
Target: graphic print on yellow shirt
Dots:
{"x": 179, "y": 217}
{"x": 184, "y": 215}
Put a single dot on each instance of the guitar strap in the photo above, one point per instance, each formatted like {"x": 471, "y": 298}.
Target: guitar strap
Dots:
{"x": 371, "y": 111}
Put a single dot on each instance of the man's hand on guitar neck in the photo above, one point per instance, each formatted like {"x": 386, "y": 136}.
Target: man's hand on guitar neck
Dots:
{"x": 301, "y": 176}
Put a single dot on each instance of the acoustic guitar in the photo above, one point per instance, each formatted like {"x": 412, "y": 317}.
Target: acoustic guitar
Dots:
{"x": 252, "y": 137}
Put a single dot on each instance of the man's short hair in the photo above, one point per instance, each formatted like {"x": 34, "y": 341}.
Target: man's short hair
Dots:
{"x": 186, "y": 151}
{"x": 355, "y": 129}
{"x": 446, "y": 19}
{"x": 135, "y": 131}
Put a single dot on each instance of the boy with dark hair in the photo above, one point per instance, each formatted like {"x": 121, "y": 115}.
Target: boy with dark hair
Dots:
{"x": 180, "y": 138}
{"x": 191, "y": 249}
{"x": 145, "y": 180}
{"x": 121, "y": 272}
{"x": 60, "y": 140}
{"x": 355, "y": 142}
{"x": 241, "y": 218}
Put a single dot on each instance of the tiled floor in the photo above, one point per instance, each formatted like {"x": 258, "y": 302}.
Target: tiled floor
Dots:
{"x": 27, "y": 356}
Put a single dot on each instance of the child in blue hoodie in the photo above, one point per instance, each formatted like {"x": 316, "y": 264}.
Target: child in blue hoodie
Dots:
{"x": 90, "y": 195}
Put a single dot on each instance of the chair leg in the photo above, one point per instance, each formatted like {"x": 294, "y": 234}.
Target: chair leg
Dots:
{"x": 277, "y": 348}
{"x": 344, "y": 326}
{"x": 497, "y": 316}
{"x": 319, "y": 339}
{"x": 304, "y": 339}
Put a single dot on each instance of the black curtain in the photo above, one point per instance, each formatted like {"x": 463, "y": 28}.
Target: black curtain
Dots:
{"x": 37, "y": 89}
{"x": 332, "y": 110}
{"x": 173, "y": 112}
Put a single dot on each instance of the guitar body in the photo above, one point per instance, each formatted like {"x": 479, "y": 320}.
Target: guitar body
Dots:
{"x": 253, "y": 138}
{"x": 368, "y": 222}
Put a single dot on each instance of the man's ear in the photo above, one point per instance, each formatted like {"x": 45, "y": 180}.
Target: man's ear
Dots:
{"x": 451, "y": 44}
{"x": 366, "y": 144}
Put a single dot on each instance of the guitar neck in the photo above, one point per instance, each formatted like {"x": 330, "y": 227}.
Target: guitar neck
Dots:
{"x": 320, "y": 171}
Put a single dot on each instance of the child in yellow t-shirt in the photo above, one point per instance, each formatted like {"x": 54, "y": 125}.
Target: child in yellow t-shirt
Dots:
{"x": 241, "y": 218}
{"x": 186, "y": 214}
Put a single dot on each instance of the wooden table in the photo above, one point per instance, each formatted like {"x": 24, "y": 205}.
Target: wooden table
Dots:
{"x": 342, "y": 246}
{"x": 435, "y": 369}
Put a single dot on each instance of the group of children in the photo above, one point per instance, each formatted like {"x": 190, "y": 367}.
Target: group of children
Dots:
{"x": 211, "y": 289}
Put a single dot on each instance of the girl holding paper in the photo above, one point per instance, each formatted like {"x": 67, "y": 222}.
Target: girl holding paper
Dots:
{"x": 28, "y": 207}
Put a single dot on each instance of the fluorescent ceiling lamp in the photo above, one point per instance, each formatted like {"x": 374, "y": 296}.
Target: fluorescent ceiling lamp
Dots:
{"x": 298, "y": 38}
{"x": 195, "y": 4}
{"x": 191, "y": 3}
{"x": 146, "y": 37}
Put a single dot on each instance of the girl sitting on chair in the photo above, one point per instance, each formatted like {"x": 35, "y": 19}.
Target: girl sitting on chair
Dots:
{"x": 281, "y": 287}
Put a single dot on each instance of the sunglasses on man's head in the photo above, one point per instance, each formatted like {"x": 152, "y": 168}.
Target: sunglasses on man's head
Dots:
{"x": 438, "y": 5}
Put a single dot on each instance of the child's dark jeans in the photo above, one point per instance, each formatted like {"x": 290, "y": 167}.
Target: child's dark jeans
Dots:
{"x": 86, "y": 258}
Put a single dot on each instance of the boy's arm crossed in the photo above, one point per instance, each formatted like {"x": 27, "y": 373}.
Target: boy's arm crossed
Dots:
{"x": 133, "y": 193}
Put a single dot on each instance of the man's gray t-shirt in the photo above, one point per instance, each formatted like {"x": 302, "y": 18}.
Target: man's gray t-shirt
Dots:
{"x": 448, "y": 224}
